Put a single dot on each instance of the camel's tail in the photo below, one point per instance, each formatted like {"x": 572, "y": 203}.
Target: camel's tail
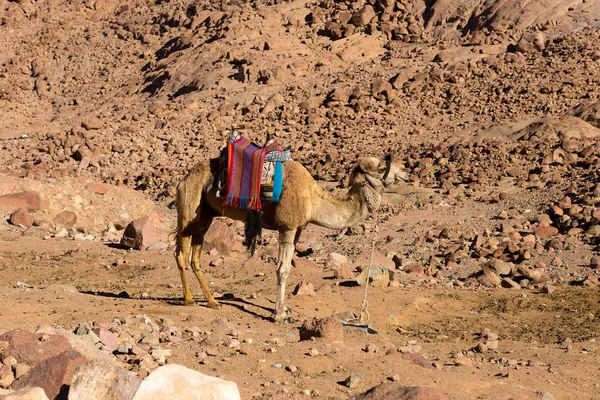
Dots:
{"x": 253, "y": 229}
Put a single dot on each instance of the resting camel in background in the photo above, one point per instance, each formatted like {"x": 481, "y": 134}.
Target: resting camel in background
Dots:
{"x": 302, "y": 202}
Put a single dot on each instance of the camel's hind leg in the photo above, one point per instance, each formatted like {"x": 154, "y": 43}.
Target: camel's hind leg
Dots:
{"x": 197, "y": 243}
{"x": 284, "y": 263}
{"x": 193, "y": 220}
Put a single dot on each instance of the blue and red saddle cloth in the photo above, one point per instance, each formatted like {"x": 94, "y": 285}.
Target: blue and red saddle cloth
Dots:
{"x": 245, "y": 170}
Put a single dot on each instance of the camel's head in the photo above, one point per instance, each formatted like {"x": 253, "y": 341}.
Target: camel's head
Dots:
{"x": 396, "y": 172}
{"x": 368, "y": 176}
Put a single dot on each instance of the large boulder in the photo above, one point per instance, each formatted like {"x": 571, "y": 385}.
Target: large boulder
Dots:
{"x": 143, "y": 233}
{"x": 54, "y": 375}
{"x": 28, "y": 393}
{"x": 21, "y": 217}
{"x": 174, "y": 381}
{"x": 31, "y": 348}
{"x": 28, "y": 200}
{"x": 220, "y": 236}
{"x": 100, "y": 379}
{"x": 65, "y": 219}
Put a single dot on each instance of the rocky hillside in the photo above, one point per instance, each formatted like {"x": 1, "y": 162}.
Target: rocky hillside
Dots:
{"x": 133, "y": 93}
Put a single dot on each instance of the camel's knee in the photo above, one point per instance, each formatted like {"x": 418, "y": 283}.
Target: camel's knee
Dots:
{"x": 180, "y": 258}
{"x": 282, "y": 275}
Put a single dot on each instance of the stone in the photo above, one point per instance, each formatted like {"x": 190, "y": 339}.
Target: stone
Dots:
{"x": 7, "y": 377}
{"x": 304, "y": 289}
{"x": 101, "y": 379}
{"x": 595, "y": 262}
{"x": 378, "y": 276}
{"x": 92, "y": 123}
{"x": 142, "y": 233}
{"x": 395, "y": 391}
{"x": 344, "y": 273}
{"x": 84, "y": 347}
{"x": 336, "y": 260}
{"x": 174, "y": 381}
{"x": 548, "y": 288}
{"x": 354, "y": 381}
{"x": 98, "y": 188}
{"x": 509, "y": 284}
{"x": 363, "y": 16}
{"x": 28, "y": 200}
{"x": 28, "y": 393}
{"x": 66, "y": 219}
{"x": 311, "y": 103}
{"x": 220, "y": 237}
{"x": 546, "y": 231}
{"x": 53, "y": 374}
{"x": 498, "y": 266}
{"x": 544, "y": 395}
{"x": 20, "y": 369}
{"x": 490, "y": 279}
{"x": 423, "y": 362}
{"x": 531, "y": 41}
{"x": 29, "y": 348}
{"x": 108, "y": 339}
{"x": 21, "y": 217}
{"x": 328, "y": 328}
{"x": 409, "y": 349}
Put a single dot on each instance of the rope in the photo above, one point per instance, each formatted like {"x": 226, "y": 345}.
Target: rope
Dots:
{"x": 364, "y": 305}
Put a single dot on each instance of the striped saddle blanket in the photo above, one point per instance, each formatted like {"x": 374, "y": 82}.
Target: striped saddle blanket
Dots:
{"x": 254, "y": 173}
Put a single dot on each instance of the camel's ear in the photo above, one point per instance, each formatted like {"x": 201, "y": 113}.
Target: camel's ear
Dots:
{"x": 368, "y": 164}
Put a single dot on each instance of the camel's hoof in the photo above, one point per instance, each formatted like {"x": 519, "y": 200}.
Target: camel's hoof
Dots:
{"x": 214, "y": 306}
{"x": 189, "y": 302}
{"x": 284, "y": 316}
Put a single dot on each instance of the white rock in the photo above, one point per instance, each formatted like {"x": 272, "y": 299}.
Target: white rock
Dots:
{"x": 27, "y": 393}
{"x": 174, "y": 381}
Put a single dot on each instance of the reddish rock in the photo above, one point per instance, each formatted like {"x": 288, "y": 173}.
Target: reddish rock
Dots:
{"x": 21, "y": 217}
{"x": 65, "y": 219}
{"x": 220, "y": 236}
{"x": 595, "y": 262}
{"x": 343, "y": 272}
{"x": 32, "y": 348}
{"x": 142, "y": 233}
{"x": 108, "y": 339}
{"x": 395, "y": 391}
{"x": 54, "y": 375}
{"x": 28, "y": 200}
{"x": 326, "y": 328}
{"x": 98, "y": 188}
{"x": 414, "y": 268}
{"x": 336, "y": 260}
{"x": 92, "y": 123}
{"x": 423, "y": 362}
{"x": 363, "y": 16}
{"x": 304, "y": 289}
{"x": 545, "y": 231}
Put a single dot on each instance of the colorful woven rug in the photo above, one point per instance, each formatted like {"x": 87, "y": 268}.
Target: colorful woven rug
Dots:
{"x": 244, "y": 173}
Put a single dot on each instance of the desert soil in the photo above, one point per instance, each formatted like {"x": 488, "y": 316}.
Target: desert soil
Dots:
{"x": 493, "y": 108}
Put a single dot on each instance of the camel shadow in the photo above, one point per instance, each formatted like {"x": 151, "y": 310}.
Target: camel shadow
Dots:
{"x": 227, "y": 299}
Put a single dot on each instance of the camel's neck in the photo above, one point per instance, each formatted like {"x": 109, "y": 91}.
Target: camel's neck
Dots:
{"x": 338, "y": 214}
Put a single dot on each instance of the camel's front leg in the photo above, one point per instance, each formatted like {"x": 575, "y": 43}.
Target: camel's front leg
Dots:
{"x": 284, "y": 263}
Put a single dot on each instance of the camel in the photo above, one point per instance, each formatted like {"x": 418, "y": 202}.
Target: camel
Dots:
{"x": 302, "y": 202}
